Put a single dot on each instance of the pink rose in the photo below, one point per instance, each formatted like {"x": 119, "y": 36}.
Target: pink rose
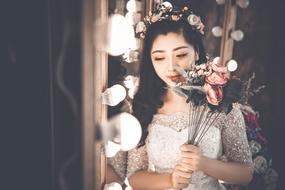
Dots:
{"x": 214, "y": 84}
{"x": 216, "y": 79}
{"x": 214, "y": 93}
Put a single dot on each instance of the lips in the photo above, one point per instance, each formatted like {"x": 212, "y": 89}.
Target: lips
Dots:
{"x": 175, "y": 78}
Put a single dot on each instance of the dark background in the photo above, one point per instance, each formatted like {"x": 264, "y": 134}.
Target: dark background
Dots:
{"x": 39, "y": 124}
{"x": 40, "y": 129}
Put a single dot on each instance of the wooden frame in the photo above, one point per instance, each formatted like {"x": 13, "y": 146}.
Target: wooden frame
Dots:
{"x": 227, "y": 43}
{"x": 94, "y": 81}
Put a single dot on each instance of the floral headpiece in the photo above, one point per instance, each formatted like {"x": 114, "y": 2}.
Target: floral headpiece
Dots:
{"x": 164, "y": 11}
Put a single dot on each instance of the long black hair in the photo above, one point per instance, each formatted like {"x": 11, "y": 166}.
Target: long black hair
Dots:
{"x": 148, "y": 98}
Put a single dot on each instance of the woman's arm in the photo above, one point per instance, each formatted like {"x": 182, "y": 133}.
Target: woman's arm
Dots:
{"x": 112, "y": 176}
{"x": 229, "y": 172}
{"x": 238, "y": 169}
{"x": 178, "y": 179}
{"x": 150, "y": 180}
{"x": 117, "y": 166}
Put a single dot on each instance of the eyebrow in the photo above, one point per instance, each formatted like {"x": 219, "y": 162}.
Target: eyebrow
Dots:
{"x": 175, "y": 49}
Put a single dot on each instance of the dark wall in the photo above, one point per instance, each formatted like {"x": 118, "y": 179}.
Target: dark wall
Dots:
{"x": 36, "y": 116}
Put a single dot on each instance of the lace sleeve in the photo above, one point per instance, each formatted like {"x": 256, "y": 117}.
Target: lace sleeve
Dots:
{"x": 119, "y": 163}
{"x": 234, "y": 137}
{"x": 137, "y": 160}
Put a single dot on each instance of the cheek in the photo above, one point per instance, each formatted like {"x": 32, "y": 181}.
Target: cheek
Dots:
{"x": 159, "y": 69}
{"x": 186, "y": 62}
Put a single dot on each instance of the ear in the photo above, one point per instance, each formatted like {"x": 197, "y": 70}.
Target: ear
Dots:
{"x": 196, "y": 55}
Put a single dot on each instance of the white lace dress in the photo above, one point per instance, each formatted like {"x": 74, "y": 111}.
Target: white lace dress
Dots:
{"x": 226, "y": 140}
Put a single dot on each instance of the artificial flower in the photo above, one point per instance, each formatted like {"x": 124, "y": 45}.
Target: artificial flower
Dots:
{"x": 260, "y": 164}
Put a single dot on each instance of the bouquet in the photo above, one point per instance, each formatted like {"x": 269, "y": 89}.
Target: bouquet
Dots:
{"x": 210, "y": 92}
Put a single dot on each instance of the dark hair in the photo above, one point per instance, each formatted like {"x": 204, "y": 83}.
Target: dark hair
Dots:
{"x": 151, "y": 88}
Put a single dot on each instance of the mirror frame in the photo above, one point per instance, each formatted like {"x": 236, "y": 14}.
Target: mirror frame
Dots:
{"x": 94, "y": 81}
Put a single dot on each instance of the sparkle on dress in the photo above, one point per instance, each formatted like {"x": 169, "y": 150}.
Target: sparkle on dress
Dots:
{"x": 225, "y": 140}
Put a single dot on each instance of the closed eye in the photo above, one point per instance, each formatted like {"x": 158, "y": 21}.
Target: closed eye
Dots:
{"x": 158, "y": 58}
{"x": 182, "y": 55}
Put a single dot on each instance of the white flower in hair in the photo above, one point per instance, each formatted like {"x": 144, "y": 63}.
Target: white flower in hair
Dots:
{"x": 193, "y": 20}
{"x": 141, "y": 27}
{"x": 196, "y": 22}
{"x": 165, "y": 7}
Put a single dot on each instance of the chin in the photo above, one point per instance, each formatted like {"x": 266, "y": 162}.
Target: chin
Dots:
{"x": 171, "y": 83}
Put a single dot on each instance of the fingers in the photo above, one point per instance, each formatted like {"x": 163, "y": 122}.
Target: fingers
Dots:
{"x": 190, "y": 164}
{"x": 182, "y": 174}
{"x": 191, "y": 157}
{"x": 188, "y": 155}
{"x": 189, "y": 148}
{"x": 180, "y": 182}
{"x": 186, "y": 165}
{"x": 182, "y": 167}
{"x": 181, "y": 186}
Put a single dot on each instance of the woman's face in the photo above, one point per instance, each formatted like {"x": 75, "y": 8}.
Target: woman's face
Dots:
{"x": 168, "y": 50}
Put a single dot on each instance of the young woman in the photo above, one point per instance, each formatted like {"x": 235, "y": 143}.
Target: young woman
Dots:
{"x": 164, "y": 160}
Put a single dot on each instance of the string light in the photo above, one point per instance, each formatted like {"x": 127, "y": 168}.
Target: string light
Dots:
{"x": 113, "y": 186}
{"x": 133, "y": 6}
{"x": 237, "y": 35}
{"x": 111, "y": 149}
{"x": 220, "y": 2}
{"x": 120, "y": 35}
{"x": 232, "y": 65}
{"x": 121, "y": 132}
{"x": 133, "y": 17}
{"x": 216, "y": 60}
{"x": 217, "y": 31}
{"x": 130, "y": 131}
{"x": 242, "y": 3}
{"x": 114, "y": 95}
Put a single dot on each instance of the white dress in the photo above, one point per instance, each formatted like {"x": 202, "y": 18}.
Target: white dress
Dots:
{"x": 166, "y": 134}
{"x": 225, "y": 140}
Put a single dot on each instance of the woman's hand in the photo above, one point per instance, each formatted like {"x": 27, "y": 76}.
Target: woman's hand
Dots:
{"x": 180, "y": 177}
{"x": 192, "y": 157}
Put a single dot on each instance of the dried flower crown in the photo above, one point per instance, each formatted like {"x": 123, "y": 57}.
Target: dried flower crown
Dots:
{"x": 164, "y": 11}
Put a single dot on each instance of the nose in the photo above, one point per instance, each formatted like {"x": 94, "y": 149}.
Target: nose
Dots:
{"x": 171, "y": 64}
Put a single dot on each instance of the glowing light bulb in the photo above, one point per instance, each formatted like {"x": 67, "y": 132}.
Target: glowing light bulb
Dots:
{"x": 120, "y": 31}
{"x": 131, "y": 81}
{"x": 232, "y": 65}
{"x": 133, "y": 18}
{"x": 243, "y": 3}
{"x": 133, "y": 6}
{"x": 220, "y": 2}
{"x": 111, "y": 149}
{"x": 113, "y": 186}
{"x": 114, "y": 95}
{"x": 130, "y": 131}
{"x": 237, "y": 35}
{"x": 216, "y": 60}
{"x": 124, "y": 130}
{"x": 217, "y": 31}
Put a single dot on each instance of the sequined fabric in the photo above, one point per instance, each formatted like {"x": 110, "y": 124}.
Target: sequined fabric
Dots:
{"x": 119, "y": 163}
{"x": 225, "y": 140}
{"x": 137, "y": 160}
{"x": 234, "y": 140}
{"x": 166, "y": 134}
